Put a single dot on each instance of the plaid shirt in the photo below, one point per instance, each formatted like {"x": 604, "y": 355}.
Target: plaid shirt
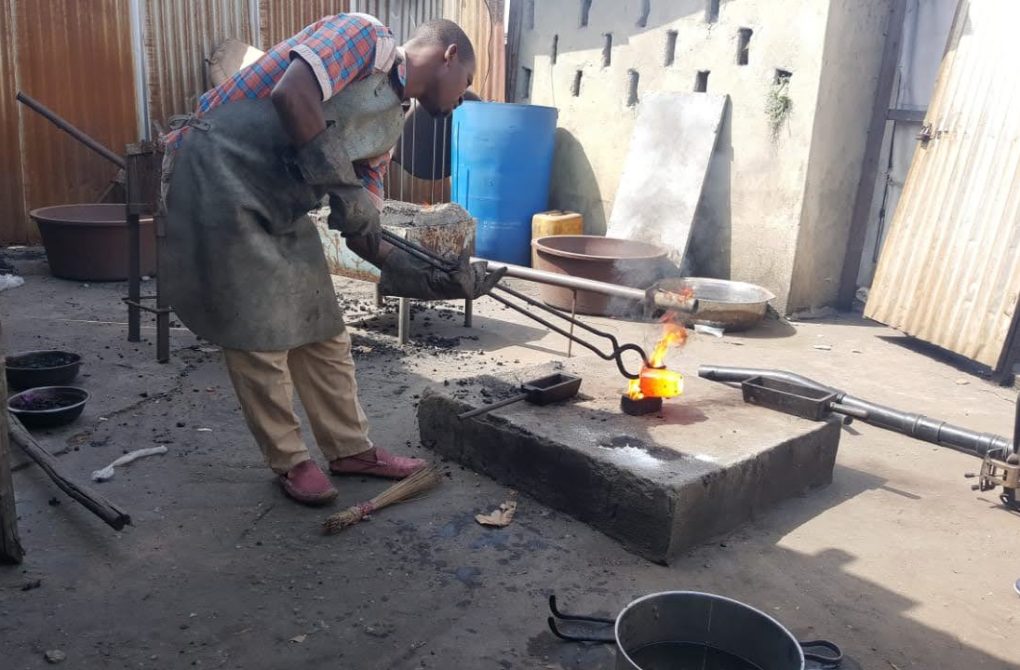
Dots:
{"x": 340, "y": 49}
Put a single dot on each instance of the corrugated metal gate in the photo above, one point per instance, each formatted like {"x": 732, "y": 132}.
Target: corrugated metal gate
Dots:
{"x": 949, "y": 272}
{"x": 110, "y": 66}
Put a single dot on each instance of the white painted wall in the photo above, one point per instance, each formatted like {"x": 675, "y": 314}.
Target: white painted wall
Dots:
{"x": 851, "y": 60}
{"x": 752, "y": 212}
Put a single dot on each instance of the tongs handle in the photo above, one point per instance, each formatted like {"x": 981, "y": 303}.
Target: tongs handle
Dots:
{"x": 595, "y": 629}
{"x": 496, "y": 405}
{"x": 618, "y": 349}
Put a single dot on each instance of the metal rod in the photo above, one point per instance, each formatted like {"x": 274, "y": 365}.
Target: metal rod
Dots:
{"x": 442, "y": 170}
{"x": 618, "y": 351}
{"x": 604, "y": 288}
{"x": 134, "y": 277}
{"x": 414, "y": 177}
{"x": 404, "y": 320}
{"x": 573, "y": 316}
{"x": 496, "y": 405}
{"x": 162, "y": 300}
{"x": 1016, "y": 428}
{"x": 432, "y": 184}
{"x": 913, "y": 425}
{"x": 403, "y": 168}
{"x": 848, "y": 411}
{"x": 554, "y": 279}
{"x": 59, "y": 122}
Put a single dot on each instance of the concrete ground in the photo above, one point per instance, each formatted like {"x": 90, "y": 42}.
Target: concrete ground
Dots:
{"x": 898, "y": 560}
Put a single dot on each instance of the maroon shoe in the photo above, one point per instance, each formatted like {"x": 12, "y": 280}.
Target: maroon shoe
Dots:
{"x": 377, "y": 463}
{"x": 306, "y": 483}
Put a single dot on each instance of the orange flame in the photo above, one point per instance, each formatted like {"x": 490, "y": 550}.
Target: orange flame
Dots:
{"x": 656, "y": 381}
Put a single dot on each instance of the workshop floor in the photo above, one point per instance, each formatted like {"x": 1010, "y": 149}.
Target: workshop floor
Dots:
{"x": 898, "y": 560}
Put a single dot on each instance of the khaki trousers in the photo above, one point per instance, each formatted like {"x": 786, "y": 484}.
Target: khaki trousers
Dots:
{"x": 323, "y": 374}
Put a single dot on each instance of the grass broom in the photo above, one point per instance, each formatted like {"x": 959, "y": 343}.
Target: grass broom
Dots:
{"x": 412, "y": 487}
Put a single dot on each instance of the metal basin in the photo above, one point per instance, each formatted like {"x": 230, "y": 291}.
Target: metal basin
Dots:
{"x": 607, "y": 259}
{"x": 90, "y": 242}
{"x": 679, "y": 629}
{"x": 730, "y": 305}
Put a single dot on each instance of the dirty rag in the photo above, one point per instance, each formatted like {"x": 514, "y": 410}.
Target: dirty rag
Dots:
{"x": 10, "y": 281}
{"x": 106, "y": 473}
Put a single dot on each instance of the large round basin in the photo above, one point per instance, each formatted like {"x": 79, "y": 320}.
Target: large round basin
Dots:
{"x": 90, "y": 242}
{"x": 607, "y": 259}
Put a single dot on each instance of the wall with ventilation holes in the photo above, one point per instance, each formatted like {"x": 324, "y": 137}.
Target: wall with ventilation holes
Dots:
{"x": 805, "y": 60}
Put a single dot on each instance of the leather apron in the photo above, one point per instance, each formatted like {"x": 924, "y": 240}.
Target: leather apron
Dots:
{"x": 242, "y": 263}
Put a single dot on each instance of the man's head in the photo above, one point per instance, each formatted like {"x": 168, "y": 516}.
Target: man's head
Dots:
{"x": 441, "y": 65}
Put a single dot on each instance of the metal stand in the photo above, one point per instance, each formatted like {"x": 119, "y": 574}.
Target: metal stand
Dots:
{"x": 404, "y": 320}
{"x": 573, "y": 318}
{"x": 144, "y": 169}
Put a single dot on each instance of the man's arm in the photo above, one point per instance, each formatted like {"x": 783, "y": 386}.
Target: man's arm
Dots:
{"x": 298, "y": 101}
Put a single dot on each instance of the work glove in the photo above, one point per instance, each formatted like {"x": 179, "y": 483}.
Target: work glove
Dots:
{"x": 407, "y": 276}
{"x": 324, "y": 163}
{"x": 353, "y": 212}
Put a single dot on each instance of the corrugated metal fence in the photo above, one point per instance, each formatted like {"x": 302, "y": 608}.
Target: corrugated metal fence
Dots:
{"x": 178, "y": 34}
{"x": 111, "y": 66}
{"x": 949, "y": 272}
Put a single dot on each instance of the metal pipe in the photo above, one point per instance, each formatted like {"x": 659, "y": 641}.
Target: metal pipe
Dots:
{"x": 1016, "y": 428}
{"x": 664, "y": 299}
{"x": 721, "y": 373}
{"x": 56, "y": 120}
{"x": 913, "y": 425}
{"x": 134, "y": 277}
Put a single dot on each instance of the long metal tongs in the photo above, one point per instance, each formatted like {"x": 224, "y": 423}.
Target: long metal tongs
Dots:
{"x": 615, "y": 354}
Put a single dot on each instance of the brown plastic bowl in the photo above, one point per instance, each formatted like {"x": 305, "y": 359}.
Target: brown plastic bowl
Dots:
{"x": 90, "y": 242}
{"x": 607, "y": 259}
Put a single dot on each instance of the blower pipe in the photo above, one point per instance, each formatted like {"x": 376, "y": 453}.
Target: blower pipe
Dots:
{"x": 913, "y": 425}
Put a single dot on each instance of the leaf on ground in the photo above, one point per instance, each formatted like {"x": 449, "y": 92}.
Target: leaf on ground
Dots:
{"x": 500, "y": 517}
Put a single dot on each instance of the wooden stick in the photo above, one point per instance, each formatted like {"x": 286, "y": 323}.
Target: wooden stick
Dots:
{"x": 10, "y": 544}
{"x": 92, "y": 501}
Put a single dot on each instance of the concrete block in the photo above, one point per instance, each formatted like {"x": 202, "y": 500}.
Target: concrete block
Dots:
{"x": 659, "y": 483}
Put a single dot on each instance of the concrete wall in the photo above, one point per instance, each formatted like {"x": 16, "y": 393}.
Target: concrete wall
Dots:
{"x": 758, "y": 186}
{"x": 846, "y": 95}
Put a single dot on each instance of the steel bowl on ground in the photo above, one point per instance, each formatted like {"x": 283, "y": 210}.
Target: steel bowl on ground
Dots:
{"x": 31, "y": 369}
{"x": 690, "y": 629}
{"x": 606, "y": 259}
{"x": 48, "y": 406}
{"x": 730, "y": 305}
{"x": 669, "y": 630}
{"x": 89, "y": 242}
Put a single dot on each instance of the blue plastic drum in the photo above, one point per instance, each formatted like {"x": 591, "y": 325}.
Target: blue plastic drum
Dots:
{"x": 501, "y": 161}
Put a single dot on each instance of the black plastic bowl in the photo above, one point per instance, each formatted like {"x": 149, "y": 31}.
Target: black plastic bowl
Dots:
{"x": 32, "y": 369}
{"x": 48, "y": 406}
